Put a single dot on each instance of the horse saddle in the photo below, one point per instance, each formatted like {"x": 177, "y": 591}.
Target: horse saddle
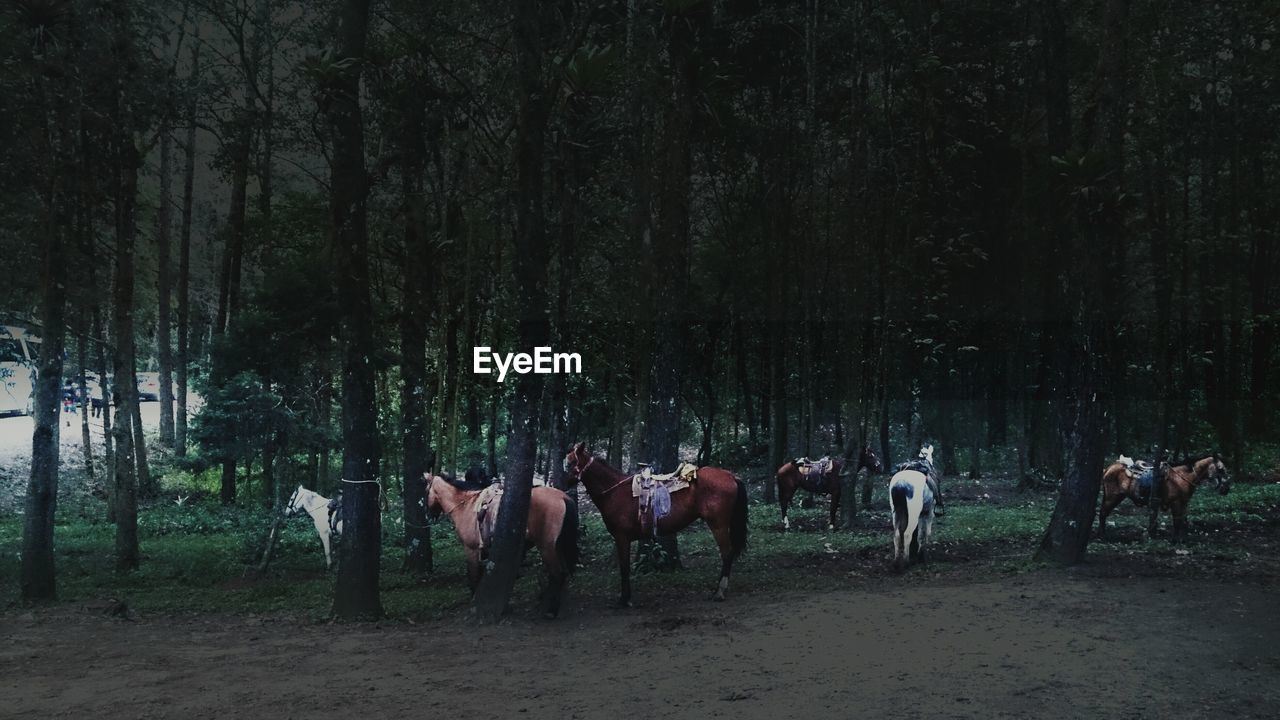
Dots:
{"x": 486, "y": 506}
{"x": 924, "y": 467}
{"x": 654, "y": 493}
{"x": 813, "y": 472}
{"x": 335, "y": 513}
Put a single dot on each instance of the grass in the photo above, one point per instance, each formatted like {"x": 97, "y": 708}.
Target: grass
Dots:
{"x": 195, "y": 555}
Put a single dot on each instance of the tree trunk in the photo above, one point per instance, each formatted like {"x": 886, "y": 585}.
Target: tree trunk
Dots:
{"x": 184, "y": 260}
{"x": 164, "y": 224}
{"x": 38, "y": 575}
{"x": 414, "y": 316}
{"x": 124, "y": 483}
{"x": 1067, "y": 537}
{"x": 142, "y": 468}
{"x": 82, "y": 360}
{"x": 360, "y": 552}
{"x": 670, "y": 269}
{"x": 529, "y": 265}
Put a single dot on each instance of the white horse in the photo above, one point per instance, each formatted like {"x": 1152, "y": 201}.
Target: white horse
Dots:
{"x": 912, "y": 501}
{"x": 317, "y": 506}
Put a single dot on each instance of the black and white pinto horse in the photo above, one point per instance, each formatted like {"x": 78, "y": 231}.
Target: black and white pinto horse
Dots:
{"x": 323, "y": 512}
{"x": 911, "y": 496}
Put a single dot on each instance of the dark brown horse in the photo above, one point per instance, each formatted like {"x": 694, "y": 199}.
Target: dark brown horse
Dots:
{"x": 1180, "y": 483}
{"x": 792, "y": 477}
{"x": 552, "y": 527}
{"x": 715, "y": 496}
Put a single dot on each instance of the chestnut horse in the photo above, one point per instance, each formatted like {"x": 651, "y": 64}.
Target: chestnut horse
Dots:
{"x": 791, "y": 477}
{"x": 716, "y": 496}
{"x": 553, "y": 527}
{"x": 1180, "y": 483}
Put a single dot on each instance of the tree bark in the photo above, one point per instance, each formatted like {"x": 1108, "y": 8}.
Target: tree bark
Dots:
{"x": 38, "y": 580}
{"x": 164, "y": 332}
{"x": 124, "y": 482}
{"x": 415, "y": 315}
{"x": 184, "y": 257}
{"x": 529, "y": 266}
{"x": 356, "y": 595}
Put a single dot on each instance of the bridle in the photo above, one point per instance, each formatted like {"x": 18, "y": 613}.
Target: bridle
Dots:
{"x": 576, "y": 472}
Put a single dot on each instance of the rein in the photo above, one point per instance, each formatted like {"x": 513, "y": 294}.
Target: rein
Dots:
{"x": 578, "y": 471}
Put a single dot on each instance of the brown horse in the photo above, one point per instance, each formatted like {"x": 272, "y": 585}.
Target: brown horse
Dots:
{"x": 716, "y": 496}
{"x": 552, "y": 526}
{"x": 791, "y": 477}
{"x": 1180, "y": 483}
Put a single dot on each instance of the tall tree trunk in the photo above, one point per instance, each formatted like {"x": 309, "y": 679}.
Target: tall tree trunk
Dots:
{"x": 82, "y": 360}
{"x": 415, "y": 315}
{"x": 142, "y": 468}
{"x": 529, "y": 266}
{"x": 1067, "y": 537}
{"x": 184, "y": 258}
{"x": 670, "y": 270}
{"x": 124, "y": 482}
{"x": 164, "y": 225}
{"x": 38, "y": 574}
{"x": 356, "y": 595}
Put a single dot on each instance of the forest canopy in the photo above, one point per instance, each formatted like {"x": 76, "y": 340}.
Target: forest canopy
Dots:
{"x": 1043, "y": 229}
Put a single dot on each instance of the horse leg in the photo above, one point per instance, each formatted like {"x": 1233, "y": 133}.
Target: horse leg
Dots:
{"x": 785, "y": 492}
{"x": 725, "y": 542}
{"x": 323, "y": 531}
{"x": 474, "y": 568}
{"x": 1179, "y": 513}
{"x": 623, "y": 548}
{"x": 835, "y": 504}
{"x": 1109, "y": 502}
{"x": 556, "y": 577}
{"x": 897, "y": 545}
{"x": 913, "y": 524}
{"x": 925, "y": 532}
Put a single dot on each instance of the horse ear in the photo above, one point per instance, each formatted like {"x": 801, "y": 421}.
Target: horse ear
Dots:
{"x": 580, "y": 447}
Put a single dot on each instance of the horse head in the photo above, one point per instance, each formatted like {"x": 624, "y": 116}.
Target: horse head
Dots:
{"x": 1218, "y": 471}
{"x": 434, "y": 506}
{"x": 295, "y": 502}
{"x": 576, "y": 461}
{"x": 868, "y": 459}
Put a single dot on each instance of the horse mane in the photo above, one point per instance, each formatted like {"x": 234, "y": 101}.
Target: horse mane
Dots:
{"x": 462, "y": 485}
{"x": 1190, "y": 461}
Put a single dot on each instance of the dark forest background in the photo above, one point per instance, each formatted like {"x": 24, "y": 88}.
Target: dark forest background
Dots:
{"x": 1035, "y": 230}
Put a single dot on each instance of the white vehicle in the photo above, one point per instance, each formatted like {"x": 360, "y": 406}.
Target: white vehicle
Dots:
{"x": 19, "y": 356}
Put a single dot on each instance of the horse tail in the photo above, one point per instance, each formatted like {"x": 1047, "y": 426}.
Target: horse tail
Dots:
{"x": 898, "y": 496}
{"x": 567, "y": 540}
{"x": 738, "y": 524}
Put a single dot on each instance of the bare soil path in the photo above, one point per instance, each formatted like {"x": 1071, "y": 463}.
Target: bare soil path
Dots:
{"x": 1039, "y": 644}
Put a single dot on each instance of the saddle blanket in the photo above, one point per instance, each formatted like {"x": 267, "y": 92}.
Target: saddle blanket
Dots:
{"x": 683, "y": 477}
{"x": 654, "y": 493}
{"x": 486, "y": 507}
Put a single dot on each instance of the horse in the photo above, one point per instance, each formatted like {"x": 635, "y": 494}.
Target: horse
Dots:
{"x": 318, "y": 507}
{"x": 716, "y": 495}
{"x": 1180, "y": 483}
{"x": 911, "y": 496}
{"x": 790, "y": 478}
{"x": 552, "y": 527}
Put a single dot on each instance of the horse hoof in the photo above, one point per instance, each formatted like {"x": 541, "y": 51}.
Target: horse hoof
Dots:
{"x": 718, "y": 597}
{"x": 624, "y": 604}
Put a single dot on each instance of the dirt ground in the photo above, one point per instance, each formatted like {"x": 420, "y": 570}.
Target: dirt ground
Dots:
{"x": 1040, "y": 644}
